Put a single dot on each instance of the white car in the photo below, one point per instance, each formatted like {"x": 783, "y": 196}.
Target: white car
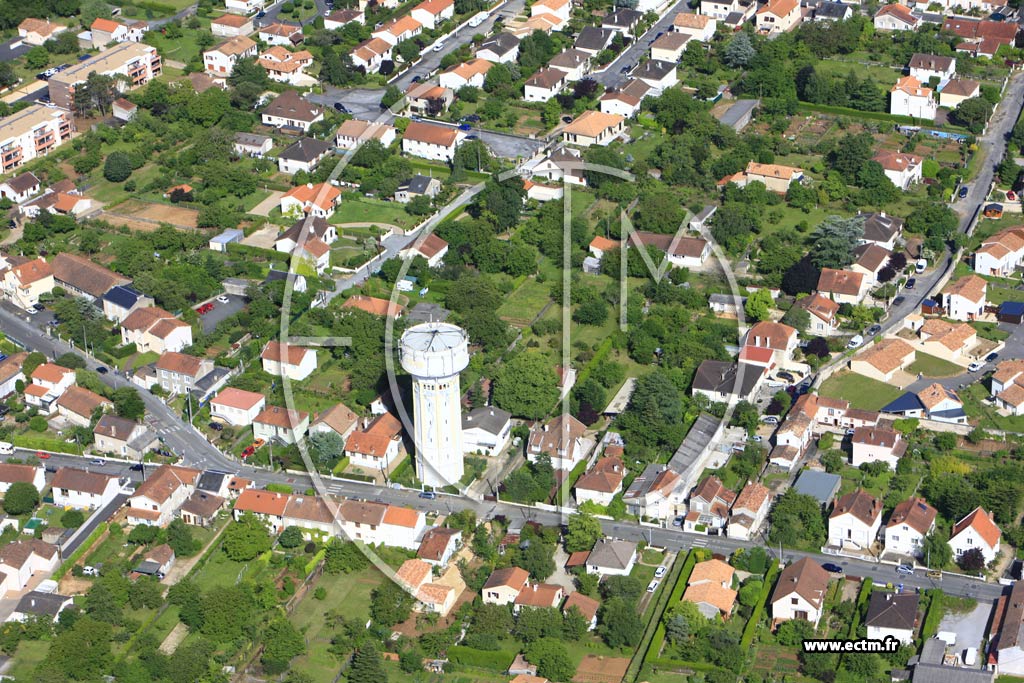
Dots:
{"x": 223, "y": 299}
{"x": 653, "y": 586}
{"x": 89, "y": 570}
{"x": 438, "y": 47}
{"x": 660, "y": 572}
{"x": 855, "y": 342}
{"x": 974, "y": 367}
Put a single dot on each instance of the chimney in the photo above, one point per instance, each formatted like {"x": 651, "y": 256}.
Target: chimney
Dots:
{"x": 545, "y": 428}
{"x": 309, "y": 185}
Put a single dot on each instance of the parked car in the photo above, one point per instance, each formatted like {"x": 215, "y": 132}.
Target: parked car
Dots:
{"x": 678, "y": 521}
{"x": 855, "y": 342}
{"x": 905, "y": 570}
{"x": 473, "y": 136}
{"x": 216, "y": 426}
{"x": 102, "y": 370}
{"x": 429, "y": 495}
{"x": 223, "y": 299}
{"x": 910, "y": 283}
{"x": 39, "y": 307}
{"x": 898, "y": 300}
{"x": 42, "y": 456}
{"x": 89, "y": 570}
{"x": 338, "y": 106}
{"x": 566, "y": 119}
{"x": 258, "y": 443}
{"x": 962, "y": 194}
{"x": 653, "y": 586}
{"x": 991, "y": 358}
{"x": 832, "y": 567}
{"x": 974, "y": 367}
{"x": 438, "y": 47}
{"x": 874, "y": 329}
{"x": 465, "y": 127}
{"x": 770, "y": 420}
{"x": 788, "y": 376}
{"x": 660, "y": 572}
{"x": 3, "y": 357}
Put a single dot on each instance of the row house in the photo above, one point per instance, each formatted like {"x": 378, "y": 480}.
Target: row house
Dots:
{"x": 380, "y": 524}
{"x": 281, "y": 510}
{"x": 137, "y": 62}
{"x": 154, "y": 329}
{"x": 81, "y": 277}
{"x": 656, "y": 493}
{"x": 749, "y": 511}
{"x": 911, "y": 520}
{"x": 33, "y": 132}
{"x": 709, "y": 505}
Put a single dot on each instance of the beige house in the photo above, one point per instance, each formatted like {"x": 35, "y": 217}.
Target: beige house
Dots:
{"x": 822, "y": 310}
{"x": 38, "y": 31}
{"x": 949, "y": 341}
{"x": 778, "y": 16}
{"x": 871, "y": 259}
{"x": 154, "y": 329}
{"x": 776, "y": 177}
{"x": 594, "y": 128}
{"x": 23, "y": 285}
{"x": 883, "y": 360}
{"x": 504, "y": 585}
{"x": 956, "y": 91}
{"x": 122, "y": 437}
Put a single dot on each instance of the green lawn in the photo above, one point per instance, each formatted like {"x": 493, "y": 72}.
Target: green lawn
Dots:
{"x": 347, "y": 595}
{"x": 989, "y": 331}
{"x": 932, "y": 366}
{"x": 985, "y": 414}
{"x": 883, "y": 75}
{"x": 860, "y": 391}
{"x": 357, "y": 209}
{"x": 220, "y": 571}
{"x": 524, "y": 303}
{"x": 29, "y": 654}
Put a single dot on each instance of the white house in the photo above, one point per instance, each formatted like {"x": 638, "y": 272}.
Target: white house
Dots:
{"x": 602, "y": 482}
{"x": 822, "y": 311}
{"x": 20, "y": 188}
{"x": 161, "y": 494}
{"x": 700, "y": 27}
{"x": 289, "y": 110}
{"x": 431, "y": 13}
{"x": 909, "y": 98}
{"x": 855, "y": 521}
{"x": 431, "y": 247}
{"x": 431, "y": 141}
{"x": 892, "y": 615}
{"x": 274, "y": 422}
{"x": 338, "y": 18}
{"x": 902, "y": 169}
{"x": 220, "y": 60}
{"x": 231, "y": 25}
{"x": 877, "y": 444}
{"x": 486, "y": 430}
{"x": 543, "y": 85}
{"x": 245, "y": 7}
{"x": 287, "y": 67}
{"x": 12, "y": 473}
{"x": 926, "y": 67}
{"x": 24, "y": 558}
{"x": 709, "y": 505}
{"x": 612, "y": 557}
{"x": 895, "y": 17}
{"x": 77, "y": 405}
{"x": 236, "y": 406}
{"x": 1001, "y": 253}
{"x": 965, "y": 299}
{"x": 377, "y": 446}
{"x": 398, "y": 30}
{"x": 305, "y": 154}
{"x": 558, "y": 8}
{"x": 439, "y": 545}
{"x": 575, "y": 63}
{"x": 976, "y": 530}
{"x": 354, "y": 132}
{"x": 843, "y": 286}
{"x": 281, "y": 34}
{"x": 800, "y": 592}
{"x": 499, "y": 49}
{"x": 471, "y": 73}
{"x": 49, "y": 382}
{"x": 749, "y": 511}
{"x": 83, "y": 490}
{"x": 594, "y": 128}
{"x": 911, "y": 520}
{"x": 371, "y": 53}
{"x": 562, "y": 440}
{"x": 657, "y": 74}
{"x": 281, "y": 359}
{"x": 778, "y": 16}
{"x": 319, "y": 200}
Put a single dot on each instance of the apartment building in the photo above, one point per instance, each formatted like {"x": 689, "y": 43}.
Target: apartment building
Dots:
{"x": 138, "y": 61}
{"x": 32, "y": 132}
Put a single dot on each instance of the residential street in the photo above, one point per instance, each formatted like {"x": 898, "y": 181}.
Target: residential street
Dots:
{"x": 612, "y": 76}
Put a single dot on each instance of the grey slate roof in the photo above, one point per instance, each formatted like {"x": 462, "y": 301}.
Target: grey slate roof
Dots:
{"x": 305, "y": 149}
{"x": 418, "y": 184}
{"x": 42, "y": 604}
{"x": 654, "y": 69}
{"x": 501, "y": 43}
{"x": 491, "y": 420}
{"x": 211, "y": 481}
{"x": 594, "y": 38}
{"x": 427, "y": 312}
{"x": 697, "y": 439}
{"x": 122, "y": 295}
{"x": 890, "y": 610}
{"x": 720, "y": 377}
{"x": 821, "y": 486}
{"x": 612, "y": 554}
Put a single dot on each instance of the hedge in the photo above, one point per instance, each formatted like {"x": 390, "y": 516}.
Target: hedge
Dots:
{"x": 667, "y": 663}
{"x": 747, "y": 639}
{"x": 42, "y": 443}
{"x": 124, "y": 351}
{"x": 493, "y": 660}
{"x": 311, "y": 565}
{"x": 658, "y": 641}
{"x": 564, "y": 491}
{"x": 67, "y": 564}
{"x": 602, "y": 352}
{"x": 930, "y": 625}
{"x": 879, "y": 116}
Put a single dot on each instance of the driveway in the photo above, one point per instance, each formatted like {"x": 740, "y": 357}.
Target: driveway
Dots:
{"x": 267, "y": 205}
{"x": 263, "y": 238}
{"x": 222, "y": 312}
{"x": 969, "y": 627}
{"x": 8, "y": 52}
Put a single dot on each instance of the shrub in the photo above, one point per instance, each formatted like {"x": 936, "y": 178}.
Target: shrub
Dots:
{"x": 117, "y": 167}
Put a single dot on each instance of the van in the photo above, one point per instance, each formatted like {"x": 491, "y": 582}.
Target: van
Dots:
{"x": 478, "y": 19}
{"x": 921, "y": 265}
{"x": 855, "y": 342}
{"x": 6, "y": 448}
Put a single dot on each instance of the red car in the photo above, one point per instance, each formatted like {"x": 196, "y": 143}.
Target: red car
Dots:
{"x": 204, "y": 309}
{"x": 42, "y": 456}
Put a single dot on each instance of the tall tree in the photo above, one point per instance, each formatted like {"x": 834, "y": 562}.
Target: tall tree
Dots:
{"x": 584, "y": 531}
{"x": 526, "y": 386}
{"x": 834, "y": 241}
{"x": 366, "y": 665}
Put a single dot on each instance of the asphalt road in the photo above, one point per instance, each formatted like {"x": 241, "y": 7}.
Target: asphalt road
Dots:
{"x": 612, "y": 76}
{"x": 431, "y": 61}
{"x": 7, "y": 52}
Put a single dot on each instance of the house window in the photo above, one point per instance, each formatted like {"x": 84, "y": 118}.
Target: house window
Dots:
{"x": 794, "y": 601}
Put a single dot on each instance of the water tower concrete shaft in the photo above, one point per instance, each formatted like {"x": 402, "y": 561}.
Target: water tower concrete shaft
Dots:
{"x": 434, "y": 354}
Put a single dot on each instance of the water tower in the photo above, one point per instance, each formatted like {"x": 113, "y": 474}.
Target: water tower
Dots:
{"x": 434, "y": 354}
